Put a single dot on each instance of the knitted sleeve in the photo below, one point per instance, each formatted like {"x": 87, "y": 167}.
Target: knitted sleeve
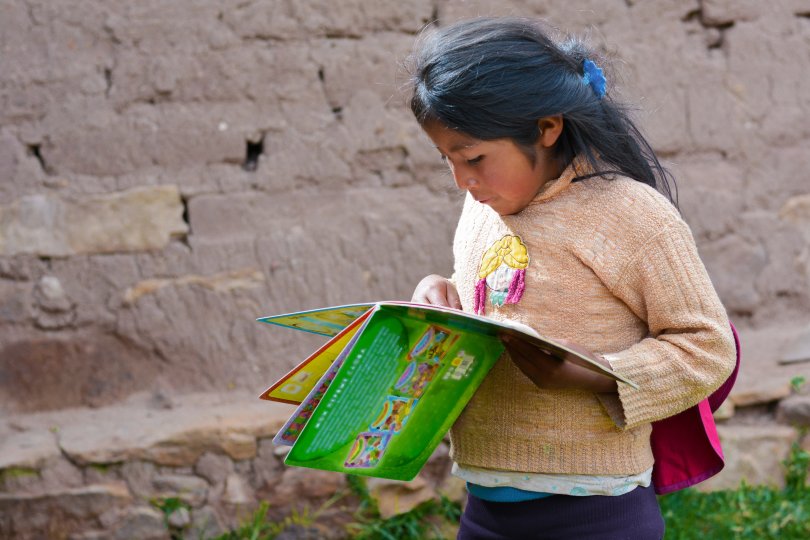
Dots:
{"x": 690, "y": 348}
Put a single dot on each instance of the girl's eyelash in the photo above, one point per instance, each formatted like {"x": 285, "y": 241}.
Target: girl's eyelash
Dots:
{"x": 472, "y": 161}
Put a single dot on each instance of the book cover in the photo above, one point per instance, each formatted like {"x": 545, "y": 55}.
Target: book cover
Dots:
{"x": 379, "y": 396}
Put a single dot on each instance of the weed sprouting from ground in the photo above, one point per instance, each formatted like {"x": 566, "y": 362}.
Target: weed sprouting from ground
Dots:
{"x": 745, "y": 513}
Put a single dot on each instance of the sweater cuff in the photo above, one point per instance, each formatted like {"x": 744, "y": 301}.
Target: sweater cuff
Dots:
{"x": 613, "y": 406}
{"x": 611, "y": 402}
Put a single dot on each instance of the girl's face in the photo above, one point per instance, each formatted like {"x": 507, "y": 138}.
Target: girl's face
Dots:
{"x": 496, "y": 172}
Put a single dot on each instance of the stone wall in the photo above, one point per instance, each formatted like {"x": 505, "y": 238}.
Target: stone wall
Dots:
{"x": 169, "y": 171}
{"x": 113, "y": 473}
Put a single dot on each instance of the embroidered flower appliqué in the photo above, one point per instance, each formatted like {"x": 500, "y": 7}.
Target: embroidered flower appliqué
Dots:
{"x": 501, "y": 274}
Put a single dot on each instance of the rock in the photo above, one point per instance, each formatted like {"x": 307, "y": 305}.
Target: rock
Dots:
{"x": 28, "y": 449}
{"x": 797, "y": 211}
{"x": 237, "y": 491}
{"x": 297, "y": 484}
{"x": 707, "y": 184}
{"x": 267, "y": 467}
{"x": 223, "y": 282}
{"x": 213, "y": 467}
{"x": 238, "y": 445}
{"x": 174, "y": 437}
{"x": 60, "y": 474}
{"x": 139, "y": 219}
{"x": 454, "y": 488}
{"x": 725, "y": 410}
{"x": 721, "y": 12}
{"x": 20, "y": 481}
{"x": 724, "y": 257}
{"x": 143, "y": 523}
{"x": 762, "y": 379}
{"x": 180, "y": 518}
{"x": 67, "y": 511}
{"x": 189, "y": 489}
{"x": 50, "y": 295}
{"x": 797, "y": 350}
{"x": 438, "y": 466}
{"x": 754, "y": 454}
{"x": 83, "y": 139}
{"x": 53, "y": 370}
{"x": 761, "y": 395}
{"x": 394, "y": 497}
{"x": 15, "y": 302}
{"x": 795, "y": 411}
{"x": 204, "y": 523}
{"x": 54, "y": 308}
{"x": 139, "y": 476}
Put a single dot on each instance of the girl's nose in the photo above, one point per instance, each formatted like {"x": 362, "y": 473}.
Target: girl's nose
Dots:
{"x": 464, "y": 181}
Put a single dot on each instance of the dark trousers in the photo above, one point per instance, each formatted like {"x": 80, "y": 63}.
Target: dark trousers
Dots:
{"x": 633, "y": 516}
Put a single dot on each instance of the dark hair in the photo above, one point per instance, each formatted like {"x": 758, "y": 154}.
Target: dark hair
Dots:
{"x": 493, "y": 78}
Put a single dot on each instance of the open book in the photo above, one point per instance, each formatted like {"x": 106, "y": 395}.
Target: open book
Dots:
{"x": 379, "y": 395}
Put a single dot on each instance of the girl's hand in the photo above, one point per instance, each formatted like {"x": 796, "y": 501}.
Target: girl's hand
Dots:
{"x": 549, "y": 372}
{"x": 438, "y": 291}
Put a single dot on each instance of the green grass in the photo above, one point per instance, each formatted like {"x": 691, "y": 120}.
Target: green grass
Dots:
{"x": 748, "y": 512}
{"x": 167, "y": 506}
{"x": 745, "y": 513}
{"x": 17, "y": 472}
{"x": 9, "y": 475}
{"x": 423, "y": 522}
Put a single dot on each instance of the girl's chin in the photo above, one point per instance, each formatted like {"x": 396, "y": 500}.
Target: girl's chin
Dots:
{"x": 503, "y": 210}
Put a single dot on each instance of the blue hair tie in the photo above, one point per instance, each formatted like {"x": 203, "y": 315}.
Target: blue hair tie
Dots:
{"x": 594, "y": 77}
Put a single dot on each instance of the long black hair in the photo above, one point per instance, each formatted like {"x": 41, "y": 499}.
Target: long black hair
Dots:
{"x": 493, "y": 78}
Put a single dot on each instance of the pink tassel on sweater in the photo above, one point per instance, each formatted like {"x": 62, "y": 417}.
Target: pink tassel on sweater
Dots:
{"x": 516, "y": 287}
{"x": 480, "y": 296}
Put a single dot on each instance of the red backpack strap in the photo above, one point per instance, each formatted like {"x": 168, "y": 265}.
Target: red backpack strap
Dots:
{"x": 686, "y": 446}
{"x": 720, "y": 395}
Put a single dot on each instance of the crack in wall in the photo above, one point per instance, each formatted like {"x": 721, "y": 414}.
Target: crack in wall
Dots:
{"x": 253, "y": 152}
{"x": 107, "y": 81}
{"x": 336, "y": 108}
{"x": 715, "y": 32}
{"x": 35, "y": 150}
{"x": 434, "y": 17}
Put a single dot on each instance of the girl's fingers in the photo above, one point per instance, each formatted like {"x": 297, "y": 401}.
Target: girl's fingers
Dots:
{"x": 453, "y": 300}
{"x": 438, "y": 291}
{"x": 437, "y": 297}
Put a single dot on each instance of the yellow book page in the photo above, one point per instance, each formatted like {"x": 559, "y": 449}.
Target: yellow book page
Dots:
{"x": 294, "y": 387}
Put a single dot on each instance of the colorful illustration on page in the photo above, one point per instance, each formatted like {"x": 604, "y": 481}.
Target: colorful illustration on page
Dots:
{"x": 367, "y": 451}
{"x": 394, "y": 414}
{"x": 290, "y": 432}
{"x": 326, "y": 322}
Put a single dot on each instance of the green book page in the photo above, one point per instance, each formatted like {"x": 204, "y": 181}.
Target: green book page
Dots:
{"x": 398, "y": 392}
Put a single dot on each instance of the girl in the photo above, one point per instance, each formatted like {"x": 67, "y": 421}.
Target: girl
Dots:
{"x": 568, "y": 226}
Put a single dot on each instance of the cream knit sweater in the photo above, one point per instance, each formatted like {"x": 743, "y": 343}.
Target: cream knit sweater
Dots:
{"x": 613, "y": 267}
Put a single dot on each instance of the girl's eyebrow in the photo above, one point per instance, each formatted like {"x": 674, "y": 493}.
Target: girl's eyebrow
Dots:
{"x": 460, "y": 146}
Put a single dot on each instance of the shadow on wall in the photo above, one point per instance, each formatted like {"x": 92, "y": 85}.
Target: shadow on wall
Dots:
{"x": 56, "y": 373}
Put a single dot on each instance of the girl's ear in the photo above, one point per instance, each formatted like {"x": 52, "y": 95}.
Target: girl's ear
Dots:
{"x": 550, "y": 129}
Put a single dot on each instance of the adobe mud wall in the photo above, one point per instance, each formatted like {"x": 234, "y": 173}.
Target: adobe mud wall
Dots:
{"x": 169, "y": 172}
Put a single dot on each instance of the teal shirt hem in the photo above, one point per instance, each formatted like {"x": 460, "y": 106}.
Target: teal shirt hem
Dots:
{"x": 504, "y": 494}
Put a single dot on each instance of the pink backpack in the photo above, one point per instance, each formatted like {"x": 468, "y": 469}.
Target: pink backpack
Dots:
{"x": 686, "y": 446}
